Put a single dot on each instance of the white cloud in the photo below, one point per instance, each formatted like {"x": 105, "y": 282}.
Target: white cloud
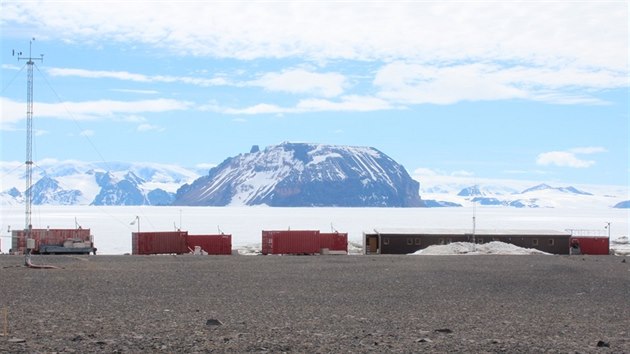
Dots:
{"x": 445, "y": 84}
{"x": 303, "y": 82}
{"x": 10, "y": 67}
{"x": 436, "y": 52}
{"x": 13, "y": 111}
{"x": 588, "y": 150}
{"x": 142, "y": 92}
{"x": 354, "y": 103}
{"x": 423, "y": 171}
{"x": 87, "y": 132}
{"x": 296, "y": 80}
{"x": 462, "y": 173}
{"x": 350, "y": 103}
{"x": 568, "y": 158}
{"x": 127, "y": 76}
{"x": 525, "y": 172}
{"x": 205, "y": 166}
{"x": 590, "y": 34}
{"x": 562, "y": 159}
{"x": 149, "y": 127}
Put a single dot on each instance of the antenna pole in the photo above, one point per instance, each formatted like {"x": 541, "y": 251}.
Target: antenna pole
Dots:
{"x": 474, "y": 224}
{"x": 29, "y": 139}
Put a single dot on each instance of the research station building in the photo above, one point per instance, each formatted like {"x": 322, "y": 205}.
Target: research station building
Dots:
{"x": 405, "y": 241}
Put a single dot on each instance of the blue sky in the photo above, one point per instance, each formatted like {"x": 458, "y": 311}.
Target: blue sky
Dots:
{"x": 503, "y": 90}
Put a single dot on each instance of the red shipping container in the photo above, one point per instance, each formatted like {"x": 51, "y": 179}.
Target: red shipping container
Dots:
{"x": 161, "y": 242}
{"x": 290, "y": 242}
{"x": 592, "y": 245}
{"x": 49, "y": 237}
{"x": 212, "y": 244}
{"x": 334, "y": 241}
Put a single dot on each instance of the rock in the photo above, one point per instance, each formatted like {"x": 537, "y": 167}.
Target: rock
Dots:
{"x": 213, "y": 322}
{"x": 444, "y": 330}
{"x": 602, "y": 344}
{"x": 17, "y": 340}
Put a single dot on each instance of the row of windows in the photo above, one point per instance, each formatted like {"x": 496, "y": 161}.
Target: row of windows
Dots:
{"x": 418, "y": 241}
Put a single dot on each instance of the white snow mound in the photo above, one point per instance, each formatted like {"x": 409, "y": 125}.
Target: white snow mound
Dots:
{"x": 494, "y": 247}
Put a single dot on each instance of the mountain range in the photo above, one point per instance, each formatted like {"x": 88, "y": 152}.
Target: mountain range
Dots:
{"x": 541, "y": 195}
{"x": 288, "y": 174}
{"x": 85, "y": 183}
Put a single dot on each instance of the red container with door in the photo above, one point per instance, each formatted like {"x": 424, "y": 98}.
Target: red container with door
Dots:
{"x": 212, "y": 244}
{"x": 592, "y": 245}
{"x": 334, "y": 241}
{"x": 160, "y": 242}
{"x": 290, "y": 242}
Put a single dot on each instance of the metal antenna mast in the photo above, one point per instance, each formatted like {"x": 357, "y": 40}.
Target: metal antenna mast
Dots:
{"x": 29, "y": 136}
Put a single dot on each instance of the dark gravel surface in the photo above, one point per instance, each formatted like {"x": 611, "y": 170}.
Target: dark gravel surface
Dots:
{"x": 316, "y": 304}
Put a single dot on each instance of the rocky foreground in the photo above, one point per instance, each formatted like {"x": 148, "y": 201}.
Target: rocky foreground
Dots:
{"x": 308, "y": 304}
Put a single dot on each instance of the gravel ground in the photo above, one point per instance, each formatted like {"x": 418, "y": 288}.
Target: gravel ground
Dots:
{"x": 316, "y": 304}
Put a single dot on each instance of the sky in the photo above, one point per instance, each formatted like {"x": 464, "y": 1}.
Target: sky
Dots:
{"x": 521, "y": 90}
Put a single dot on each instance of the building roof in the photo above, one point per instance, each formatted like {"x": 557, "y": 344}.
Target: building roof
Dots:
{"x": 465, "y": 232}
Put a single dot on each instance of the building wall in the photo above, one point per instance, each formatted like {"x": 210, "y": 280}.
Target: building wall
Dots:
{"x": 409, "y": 243}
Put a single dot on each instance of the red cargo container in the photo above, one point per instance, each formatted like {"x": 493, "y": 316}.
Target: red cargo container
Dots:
{"x": 290, "y": 242}
{"x": 592, "y": 245}
{"x": 161, "y": 242}
{"x": 334, "y": 241}
{"x": 50, "y": 237}
{"x": 212, "y": 244}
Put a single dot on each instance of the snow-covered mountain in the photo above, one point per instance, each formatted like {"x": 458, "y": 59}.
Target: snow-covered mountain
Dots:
{"x": 544, "y": 186}
{"x": 82, "y": 183}
{"x": 623, "y": 205}
{"x": 48, "y": 191}
{"x": 301, "y": 174}
{"x": 541, "y": 195}
{"x": 369, "y": 177}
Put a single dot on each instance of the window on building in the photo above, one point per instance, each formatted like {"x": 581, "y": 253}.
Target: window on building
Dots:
{"x": 417, "y": 241}
{"x": 386, "y": 241}
{"x": 409, "y": 241}
{"x": 551, "y": 242}
{"x": 535, "y": 242}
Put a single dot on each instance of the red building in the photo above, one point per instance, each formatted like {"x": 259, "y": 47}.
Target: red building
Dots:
{"x": 211, "y": 244}
{"x": 591, "y": 245}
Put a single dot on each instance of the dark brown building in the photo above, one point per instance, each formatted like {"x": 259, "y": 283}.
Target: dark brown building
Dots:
{"x": 396, "y": 241}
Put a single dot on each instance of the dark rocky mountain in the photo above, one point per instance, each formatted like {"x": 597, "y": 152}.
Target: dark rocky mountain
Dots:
{"x": 300, "y": 174}
{"x": 119, "y": 192}
{"x": 160, "y": 197}
{"x": 432, "y": 203}
{"x": 48, "y": 191}
{"x": 470, "y": 191}
{"x": 517, "y": 203}
{"x": 14, "y": 192}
